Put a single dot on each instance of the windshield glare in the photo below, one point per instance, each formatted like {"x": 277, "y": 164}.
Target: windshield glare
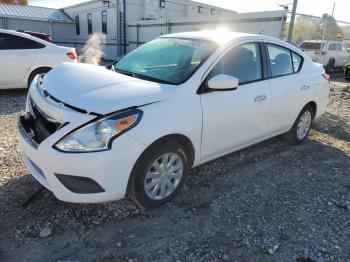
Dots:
{"x": 166, "y": 60}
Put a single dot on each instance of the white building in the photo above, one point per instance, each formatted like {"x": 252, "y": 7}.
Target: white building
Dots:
{"x": 38, "y": 19}
{"x": 124, "y": 27}
{"x": 107, "y": 17}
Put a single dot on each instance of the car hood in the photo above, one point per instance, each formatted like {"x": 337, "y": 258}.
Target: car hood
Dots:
{"x": 99, "y": 90}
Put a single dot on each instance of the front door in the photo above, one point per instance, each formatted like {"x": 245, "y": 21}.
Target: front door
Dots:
{"x": 233, "y": 119}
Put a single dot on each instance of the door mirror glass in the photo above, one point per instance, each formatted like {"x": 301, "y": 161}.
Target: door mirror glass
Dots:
{"x": 223, "y": 82}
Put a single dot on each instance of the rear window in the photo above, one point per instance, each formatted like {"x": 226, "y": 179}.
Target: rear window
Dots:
{"x": 310, "y": 46}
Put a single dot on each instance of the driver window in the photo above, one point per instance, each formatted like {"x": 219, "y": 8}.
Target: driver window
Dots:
{"x": 242, "y": 62}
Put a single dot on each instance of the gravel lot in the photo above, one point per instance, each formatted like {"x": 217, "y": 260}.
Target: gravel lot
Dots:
{"x": 270, "y": 202}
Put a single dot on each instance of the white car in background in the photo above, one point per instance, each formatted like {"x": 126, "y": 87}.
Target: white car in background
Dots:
{"x": 23, "y": 56}
{"x": 330, "y": 54}
{"x": 91, "y": 134}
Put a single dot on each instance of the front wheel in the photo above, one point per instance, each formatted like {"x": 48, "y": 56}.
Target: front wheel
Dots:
{"x": 301, "y": 127}
{"x": 159, "y": 174}
{"x": 41, "y": 71}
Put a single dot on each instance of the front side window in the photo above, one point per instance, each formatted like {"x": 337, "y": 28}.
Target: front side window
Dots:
{"x": 242, "y": 62}
{"x": 280, "y": 60}
{"x": 167, "y": 60}
{"x": 104, "y": 21}
{"x": 339, "y": 47}
{"x": 11, "y": 42}
{"x": 334, "y": 47}
{"x": 89, "y": 20}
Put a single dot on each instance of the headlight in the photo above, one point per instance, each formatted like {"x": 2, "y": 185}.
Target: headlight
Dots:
{"x": 99, "y": 134}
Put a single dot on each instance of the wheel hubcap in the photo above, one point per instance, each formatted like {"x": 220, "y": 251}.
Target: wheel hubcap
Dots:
{"x": 163, "y": 176}
{"x": 304, "y": 125}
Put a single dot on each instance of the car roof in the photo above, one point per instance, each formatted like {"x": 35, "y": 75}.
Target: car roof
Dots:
{"x": 36, "y": 33}
{"x": 321, "y": 41}
{"x": 227, "y": 37}
{"x": 216, "y": 36}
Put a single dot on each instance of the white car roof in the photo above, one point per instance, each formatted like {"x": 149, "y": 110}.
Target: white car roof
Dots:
{"x": 225, "y": 37}
{"x": 217, "y": 36}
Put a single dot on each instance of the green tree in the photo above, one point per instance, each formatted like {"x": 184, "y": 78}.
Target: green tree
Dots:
{"x": 332, "y": 27}
{"x": 311, "y": 28}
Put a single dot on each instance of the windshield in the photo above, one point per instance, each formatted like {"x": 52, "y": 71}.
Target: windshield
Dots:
{"x": 311, "y": 46}
{"x": 166, "y": 60}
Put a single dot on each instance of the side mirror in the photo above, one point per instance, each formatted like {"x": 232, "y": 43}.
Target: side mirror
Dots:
{"x": 223, "y": 82}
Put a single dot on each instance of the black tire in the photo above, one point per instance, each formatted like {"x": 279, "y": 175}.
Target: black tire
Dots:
{"x": 330, "y": 65}
{"x": 136, "y": 190}
{"x": 291, "y": 136}
{"x": 36, "y": 72}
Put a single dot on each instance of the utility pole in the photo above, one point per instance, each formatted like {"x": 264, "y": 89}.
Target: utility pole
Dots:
{"x": 324, "y": 34}
{"x": 292, "y": 19}
{"x": 325, "y": 24}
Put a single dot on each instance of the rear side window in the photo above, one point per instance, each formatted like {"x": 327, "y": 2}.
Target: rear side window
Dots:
{"x": 297, "y": 61}
{"x": 13, "y": 42}
{"x": 280, "y": 60}
{"x": 242, "y": 62}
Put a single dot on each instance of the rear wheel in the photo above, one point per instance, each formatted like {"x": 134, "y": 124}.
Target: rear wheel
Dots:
{"x": 330, "y": 65}
{"x": 301, "y": 127}
{"x": 40, "y": 71}
{"x": 159, "y": 174}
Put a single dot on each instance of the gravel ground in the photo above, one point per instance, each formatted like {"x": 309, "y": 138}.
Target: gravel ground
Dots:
{"x": 270, "y": 202}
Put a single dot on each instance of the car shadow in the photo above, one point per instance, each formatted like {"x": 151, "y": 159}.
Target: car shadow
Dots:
{"x": 333, "y": 125}
{"x": 272, "y": 180}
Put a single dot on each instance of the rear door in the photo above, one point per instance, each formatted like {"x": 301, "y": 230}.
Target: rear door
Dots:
{"x": 16, "y": 57}
{"x": 235, "y": 118}
{"x": 335, "y": 51}
{"x": 344, "y": 54}
{"x": 289, "y": 88}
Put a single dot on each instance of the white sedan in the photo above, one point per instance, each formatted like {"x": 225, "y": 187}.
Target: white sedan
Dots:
{"x": 92, "y": 135}
{"x": 23, "y": 56}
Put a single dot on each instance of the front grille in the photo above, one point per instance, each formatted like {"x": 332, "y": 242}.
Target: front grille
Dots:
{"x": 38, "y": 124}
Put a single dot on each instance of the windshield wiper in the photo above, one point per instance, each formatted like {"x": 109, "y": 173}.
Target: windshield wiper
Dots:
{"x": 144, "y": 77}
{"x": 153, "y": 79}
{"x": 124, "y": 72}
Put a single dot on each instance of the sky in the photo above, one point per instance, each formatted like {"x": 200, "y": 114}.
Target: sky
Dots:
{"x": 311, "y": 7}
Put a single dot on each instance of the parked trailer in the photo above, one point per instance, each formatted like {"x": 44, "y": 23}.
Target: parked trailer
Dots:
{"x": 269, "y": 23}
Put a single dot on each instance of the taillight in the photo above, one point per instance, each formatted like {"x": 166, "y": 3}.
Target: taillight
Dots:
{"x": 72, "y": 55}
{"x": 317, "y": 52}
{"x": 327, "y": 77}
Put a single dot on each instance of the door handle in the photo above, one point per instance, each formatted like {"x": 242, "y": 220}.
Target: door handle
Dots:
{"x": 304, "y": 87}
{"x": 23, "y": 54}
{"x": 260, "y": 98}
